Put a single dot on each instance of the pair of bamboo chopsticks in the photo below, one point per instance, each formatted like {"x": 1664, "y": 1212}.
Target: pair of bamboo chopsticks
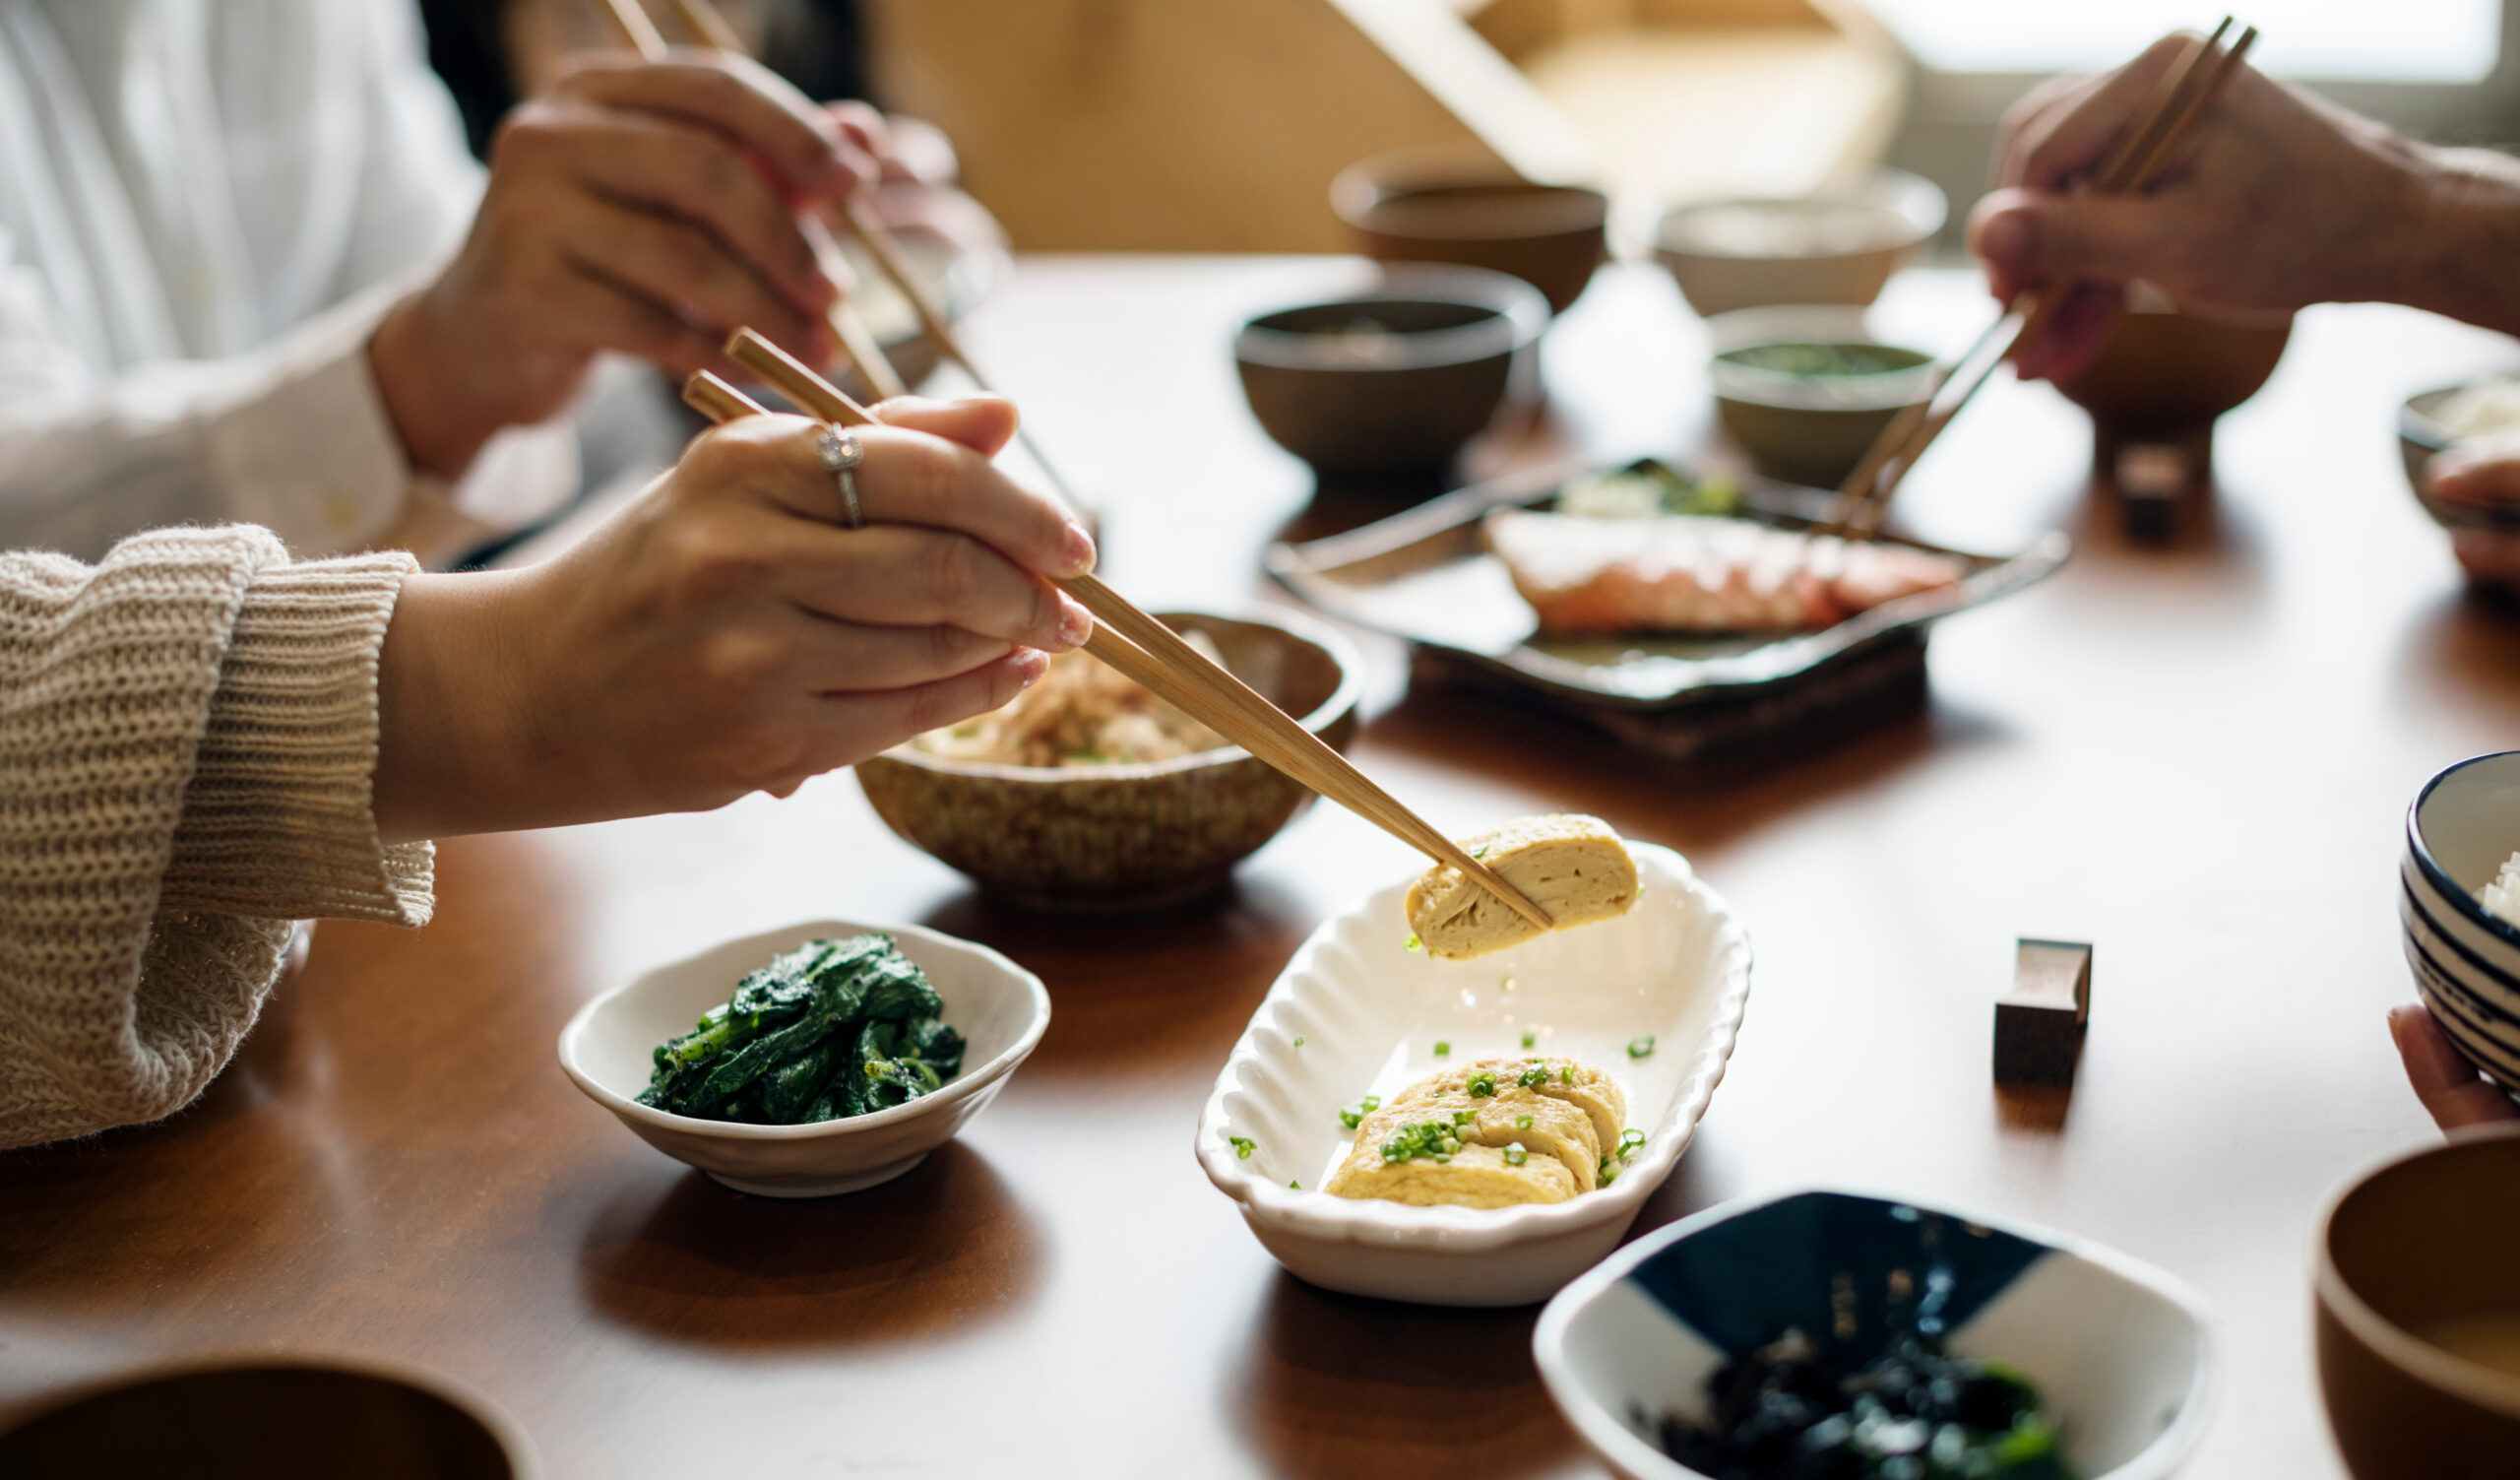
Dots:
{"x": 2176, "y": 104}
{"x": 1145, "y": 649}
{"x": 705, "y": 21}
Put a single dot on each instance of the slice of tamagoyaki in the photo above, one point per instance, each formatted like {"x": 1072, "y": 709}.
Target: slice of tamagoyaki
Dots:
{"x": 1475, "y": 1175}
{"x": 1580, "y": 1085}
{"x": 1573, "y": 867}
{"x": 1557, "y": 1129}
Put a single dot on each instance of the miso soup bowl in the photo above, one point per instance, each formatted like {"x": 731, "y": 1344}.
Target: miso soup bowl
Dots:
{"x": 608, "y": 1050}
{"x": 2409, "y": 1254}
{"x": 2466, "y": 961}
{"x": 2121, "y": 1352}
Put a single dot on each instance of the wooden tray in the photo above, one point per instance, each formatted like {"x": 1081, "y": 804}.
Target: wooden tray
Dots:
{"x": 1425, "y": 575}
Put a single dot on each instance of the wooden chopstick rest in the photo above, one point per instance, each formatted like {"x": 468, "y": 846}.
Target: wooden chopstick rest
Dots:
{"x": 2040, "y": 1024}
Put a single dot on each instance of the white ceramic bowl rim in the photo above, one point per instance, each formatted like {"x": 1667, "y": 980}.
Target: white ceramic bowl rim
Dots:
{"x": 1317, "y": 1214}
{"x": 1914, "y": 199}
{"x": 969, "y": 1081}
{"x": 1603, "y": 1429}
{"x": 1343, "y": 655}
{"x": 2439, "y": 877}
{"x": 2480, "y": 1385}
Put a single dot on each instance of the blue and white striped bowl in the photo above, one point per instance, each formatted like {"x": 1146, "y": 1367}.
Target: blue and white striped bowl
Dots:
{"x": 2119, "y": 1350}
{"x": 2467, "y": 963}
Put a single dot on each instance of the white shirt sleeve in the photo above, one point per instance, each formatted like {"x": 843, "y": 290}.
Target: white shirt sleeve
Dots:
{"x": 293, "y": 433}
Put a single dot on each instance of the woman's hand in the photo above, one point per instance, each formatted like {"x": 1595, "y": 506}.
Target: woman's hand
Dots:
{"x": 644, "y": 208}
{"x": 726, "y": 634}
{"x": 2483, "y": 474}
{"x": 2445, "y": 1081}
{"x": 2277, "y": 201}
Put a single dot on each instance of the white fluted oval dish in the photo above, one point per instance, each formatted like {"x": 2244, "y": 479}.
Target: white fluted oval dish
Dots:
{"x": 1358, "y": 1012}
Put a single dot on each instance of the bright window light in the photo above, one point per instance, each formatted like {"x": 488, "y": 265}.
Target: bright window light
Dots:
{"x": 2405, "y": 41}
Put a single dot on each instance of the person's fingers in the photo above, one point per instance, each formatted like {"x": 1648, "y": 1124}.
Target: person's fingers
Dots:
{"x": 2448, "y": 1085}
{"x": 663, "y": 166}
{"x": 984, "y": 423}
{"x": 854, "y": 658}
{"x": 898, "y": 576}
{"x": 2484, "y": 471}
{"x": 855, "y": 725}
{"x": 744, "y": 101}
{"x": 910, "y": 478}
{"x": 2074, "y": 336}
{"x": 2489, "y": 557}
{"x": 2030, "y": 238}
{"x": 687, "y": 271}
{"x": 598, "y": 312}
{"x": 2028, "y": 123}
{"x": 2073, "y": 143}
{"x": 864, "y": 125}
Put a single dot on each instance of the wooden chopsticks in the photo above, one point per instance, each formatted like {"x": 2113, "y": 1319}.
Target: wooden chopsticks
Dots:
{"x": 705, "y": 19}
{"x": 1148, "y": 651}
{"x": 2172, "y": 112}
{"x": 856, "y": 341}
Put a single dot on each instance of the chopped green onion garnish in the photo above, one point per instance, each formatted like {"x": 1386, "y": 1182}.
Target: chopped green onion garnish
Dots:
{"x": 1566, "y": 1076}
{"x": 1529, "y": 1038}
{"x": 1298, "y": 1040}
{"x": 1629, "y": 1140}
{"x": 1640, "y": 1046}
{"x": 1532, "y": 1078}
{"x": 1413, "y": 942}
{"x": 1372, "y": 1102}
{"x": 1482, "y": 1084}
{"x": 1428, "y": 1138}
{"x": 1297, "y": 1185}
{"x": 1443, "y": 1047}
{"x": 1515, "y": 1155}
{"x": 1463, "y": 1117}
{"x": 1481, "y": 852}
{"x": 1522, "y": 1122}
{"x": 1242, "y": 1146}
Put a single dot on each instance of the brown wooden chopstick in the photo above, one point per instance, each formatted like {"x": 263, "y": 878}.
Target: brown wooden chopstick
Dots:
{"x": 1156, "y": 657}
{"x": 2172, "y": 112}
{"x": 856, "y": 342}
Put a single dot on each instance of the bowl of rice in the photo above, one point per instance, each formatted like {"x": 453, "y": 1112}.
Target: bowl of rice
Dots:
{"x": 2459, "y": 901}
{"x": 1090, "y": 794}
{"x": 2453, "y": 416}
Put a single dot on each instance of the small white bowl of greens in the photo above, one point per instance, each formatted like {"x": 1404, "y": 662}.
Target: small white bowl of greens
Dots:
{"x": 820, "y": 1059}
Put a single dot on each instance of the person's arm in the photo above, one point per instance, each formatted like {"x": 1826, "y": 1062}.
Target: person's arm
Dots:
{"x": 225, "y": 741}
{"x": 2280, "y": 201}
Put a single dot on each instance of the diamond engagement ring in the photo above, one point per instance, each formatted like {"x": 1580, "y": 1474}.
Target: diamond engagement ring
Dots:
{"x": 841, "y": 452}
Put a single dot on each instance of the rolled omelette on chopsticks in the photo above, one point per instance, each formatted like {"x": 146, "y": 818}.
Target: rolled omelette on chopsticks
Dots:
{"x": 1573, "y": 867}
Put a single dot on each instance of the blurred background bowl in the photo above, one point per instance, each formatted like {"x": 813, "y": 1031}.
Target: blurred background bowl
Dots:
{"x": 270, "y": 1420}
{"x": 1417, "y": 208}
{"x": 1836, "y": 246}
{"x": 1806, "y": 390}
{"x": 2421, "y": 432}
{"x": 2163, "y": 376}
{"x": 1111, "y": 839}
{"x": 2466, "y": 961}
{"x": 2419, "y": 1313}
{"x": 2120, "y": 1352}
{"x": 1393, "y": 380}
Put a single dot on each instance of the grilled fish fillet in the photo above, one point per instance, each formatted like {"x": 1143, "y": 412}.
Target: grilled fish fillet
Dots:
{"x": 1689, "y": 573}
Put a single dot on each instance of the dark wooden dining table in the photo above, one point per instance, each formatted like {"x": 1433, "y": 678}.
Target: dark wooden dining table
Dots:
{"x": 2196, "y": 755}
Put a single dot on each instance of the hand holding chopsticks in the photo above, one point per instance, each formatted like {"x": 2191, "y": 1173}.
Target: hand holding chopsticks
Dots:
{"x": 1151, "y": 653}
{"x": 2135, "y": 163}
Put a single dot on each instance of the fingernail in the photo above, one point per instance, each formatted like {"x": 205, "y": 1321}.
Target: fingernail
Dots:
{"x": 1078, "y": 549}
{"x": 1075, "y": 623}
{"x": 1030, "y": 668}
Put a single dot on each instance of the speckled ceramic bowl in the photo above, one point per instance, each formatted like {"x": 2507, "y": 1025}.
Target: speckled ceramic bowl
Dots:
{"x": 1118, "y": 838}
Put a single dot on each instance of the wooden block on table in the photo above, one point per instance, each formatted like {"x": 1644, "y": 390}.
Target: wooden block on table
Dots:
{"x": 2040, "y": 1023}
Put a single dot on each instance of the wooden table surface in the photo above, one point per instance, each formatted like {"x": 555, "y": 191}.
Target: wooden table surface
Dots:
{"x": 2197, "y": 758}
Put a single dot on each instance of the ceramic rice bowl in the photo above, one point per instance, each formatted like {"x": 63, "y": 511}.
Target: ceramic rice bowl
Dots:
{"x": 2466, "y": 961}
{"x": 1118, "y": 838}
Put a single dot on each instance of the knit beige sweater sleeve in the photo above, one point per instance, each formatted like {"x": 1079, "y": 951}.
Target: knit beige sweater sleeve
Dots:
{"x": 187, "y": 749}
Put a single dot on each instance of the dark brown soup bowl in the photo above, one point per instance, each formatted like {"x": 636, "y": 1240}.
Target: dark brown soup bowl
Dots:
{"x": 268, "y": 1420}
{"x": 1406, "y": 208}
{"x": 2417, "y": 1264}
{"x": 1390, "y": 380}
